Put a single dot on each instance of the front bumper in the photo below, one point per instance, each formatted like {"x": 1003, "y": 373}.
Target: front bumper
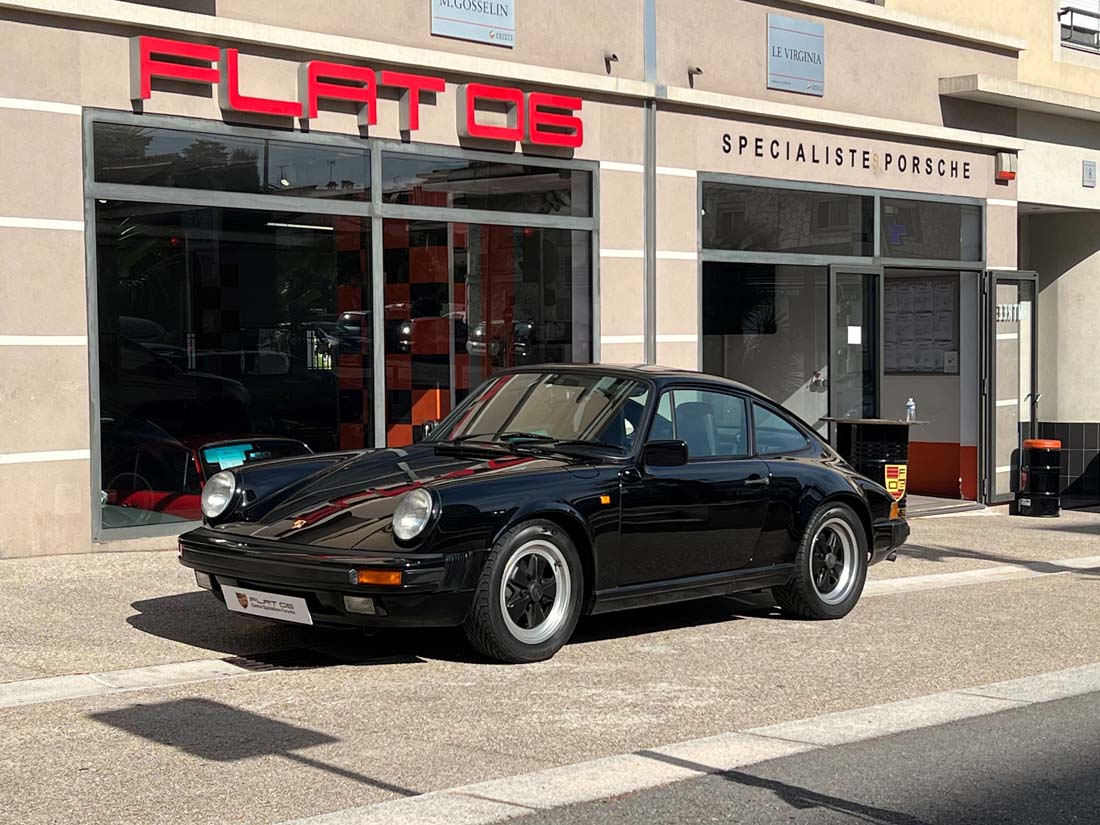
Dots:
{"x": 437, "y": 589}
{"x": 889, "y": 536}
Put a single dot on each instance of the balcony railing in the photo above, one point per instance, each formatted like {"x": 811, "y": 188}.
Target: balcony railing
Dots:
{"x": 1080, "y": 28}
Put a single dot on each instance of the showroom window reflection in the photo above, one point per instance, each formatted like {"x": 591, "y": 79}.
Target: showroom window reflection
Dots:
{"x": 233, "y": 280}
{"x": 227, "y": 326}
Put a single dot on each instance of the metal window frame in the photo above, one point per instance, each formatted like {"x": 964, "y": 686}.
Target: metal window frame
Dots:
{"x": 987, "y": 371}
{"x": 706, "y": 255}
{"x": 375, "y": 209}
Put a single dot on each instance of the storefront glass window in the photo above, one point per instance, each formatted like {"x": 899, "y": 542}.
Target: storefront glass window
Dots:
{"x": 225, "y": 336}
{"x": 767, "y": 326}
{"x": 931, "y": 230}
{"x": 461, "y": 183}
{"x": 463, "y": 300}
{"x": 761, "y": 219}
{"x": 195, "y": 160}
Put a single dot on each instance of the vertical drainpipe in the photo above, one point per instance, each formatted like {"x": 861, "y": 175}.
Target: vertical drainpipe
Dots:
{"x": 650, "y": 186}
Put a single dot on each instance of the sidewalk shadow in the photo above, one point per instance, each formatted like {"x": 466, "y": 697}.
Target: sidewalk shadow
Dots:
{"x": 943, "y": 554}
{"x": 217, "y": 732}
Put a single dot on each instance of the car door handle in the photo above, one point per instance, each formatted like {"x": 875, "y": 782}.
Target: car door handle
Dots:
{"x": 757, "y": 481}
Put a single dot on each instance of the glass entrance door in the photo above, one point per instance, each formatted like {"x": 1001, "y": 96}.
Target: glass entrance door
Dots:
{"x": 855, "y": 341}
{"x": 1009, "y": 363}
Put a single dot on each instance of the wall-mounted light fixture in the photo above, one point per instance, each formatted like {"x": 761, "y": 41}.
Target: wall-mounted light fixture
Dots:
{"x": 692, "y": 72}
{"x": 608, "y": 59}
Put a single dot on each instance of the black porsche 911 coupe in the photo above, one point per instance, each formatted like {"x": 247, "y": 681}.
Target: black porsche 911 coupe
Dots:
{"x": 549, "y": 493}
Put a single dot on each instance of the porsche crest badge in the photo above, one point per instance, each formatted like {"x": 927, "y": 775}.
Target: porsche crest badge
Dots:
{"x": 243, "y": 599}
{"x": 895, "y": 480}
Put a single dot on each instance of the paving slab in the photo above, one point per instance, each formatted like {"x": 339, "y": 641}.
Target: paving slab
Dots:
{"x": 427, "y": 715}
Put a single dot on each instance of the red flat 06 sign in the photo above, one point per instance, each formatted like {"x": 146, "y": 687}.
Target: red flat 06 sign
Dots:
{"x": 536, "y": 118}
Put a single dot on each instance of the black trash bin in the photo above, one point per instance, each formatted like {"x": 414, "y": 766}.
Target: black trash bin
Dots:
{"x": 1039, "y": 493}
{"x": 877, "y": 448}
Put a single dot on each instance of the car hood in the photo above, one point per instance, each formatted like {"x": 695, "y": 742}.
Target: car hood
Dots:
{"x": 351, "y": 504}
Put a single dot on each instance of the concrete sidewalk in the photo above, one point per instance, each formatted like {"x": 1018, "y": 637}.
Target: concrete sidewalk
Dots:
{"x": 318, "y": 730}
{"x": 104, "y": 612}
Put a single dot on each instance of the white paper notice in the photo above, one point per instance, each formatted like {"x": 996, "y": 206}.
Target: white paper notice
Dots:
{"x": 951, "y": 361}
{"x": 905, "y": 298}
{"x": 922, "y": 297}
{"x": 926, "y": 359}
{"x": 907, "y": 357}
{"x": 943, "y": 297}
{"x": 890, "y": 357}
{"x": 891, "y": 328}
{"x": 855, "y": 335}
{"x": 905, "y": 326}
{"x": 944, "y": 326}
{"x": 922, "y": 327}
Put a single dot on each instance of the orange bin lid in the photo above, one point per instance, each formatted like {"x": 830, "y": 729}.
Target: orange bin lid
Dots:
{"x": 1042, "y": 444}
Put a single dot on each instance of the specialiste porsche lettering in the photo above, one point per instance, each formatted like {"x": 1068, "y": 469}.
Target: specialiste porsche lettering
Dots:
{"x": 536, "y": 118}
{"x": 825, "y": 154}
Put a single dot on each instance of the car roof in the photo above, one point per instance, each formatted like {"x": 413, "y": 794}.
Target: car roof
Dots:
{"x": 654, "y": 372}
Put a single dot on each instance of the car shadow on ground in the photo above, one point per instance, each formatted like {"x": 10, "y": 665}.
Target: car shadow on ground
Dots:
{"x": 200, "y": 621}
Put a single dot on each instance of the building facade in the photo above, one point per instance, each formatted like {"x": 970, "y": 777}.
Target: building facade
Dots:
{"x": 324, "y": 223}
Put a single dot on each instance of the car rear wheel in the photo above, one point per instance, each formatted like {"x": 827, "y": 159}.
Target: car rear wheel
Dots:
{"x": 830, "y": 566}
{"x": 528, "y": 599}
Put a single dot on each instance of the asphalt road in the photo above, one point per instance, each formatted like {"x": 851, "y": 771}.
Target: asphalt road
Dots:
{"x": 319, "y": 722}
{"x": 1027, "y": 766}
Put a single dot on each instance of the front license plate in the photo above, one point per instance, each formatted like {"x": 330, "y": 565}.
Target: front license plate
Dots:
{"x": 268, "y": 605}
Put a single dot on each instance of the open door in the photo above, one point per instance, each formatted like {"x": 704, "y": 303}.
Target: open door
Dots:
{"x": 855, "y": 341}
{"x": 1009, "y": 397}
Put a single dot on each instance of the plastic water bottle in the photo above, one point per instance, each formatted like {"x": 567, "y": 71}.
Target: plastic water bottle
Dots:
{"x": 910, "y": 410}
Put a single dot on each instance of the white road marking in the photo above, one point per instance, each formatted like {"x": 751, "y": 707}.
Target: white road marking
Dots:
{"x": 57, "y": 688}
{"x": 502, "y": 799}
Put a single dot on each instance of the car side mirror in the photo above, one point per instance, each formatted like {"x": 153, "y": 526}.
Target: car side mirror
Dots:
{"x": 672, "y": 453}
{"x": 428, "y": 426}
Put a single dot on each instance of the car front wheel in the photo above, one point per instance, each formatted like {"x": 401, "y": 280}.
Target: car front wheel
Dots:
{"x": 830, "y": 566}
{"x": 528, "y": 599}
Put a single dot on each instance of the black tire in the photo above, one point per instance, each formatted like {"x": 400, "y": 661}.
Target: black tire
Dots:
{"x": 498, "y": 636}
{"x": 802, "y": 595}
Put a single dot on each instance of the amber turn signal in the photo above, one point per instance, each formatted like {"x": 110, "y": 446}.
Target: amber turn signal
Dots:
{"x": 895, "y": 511}
{"x": 386, "y": 577}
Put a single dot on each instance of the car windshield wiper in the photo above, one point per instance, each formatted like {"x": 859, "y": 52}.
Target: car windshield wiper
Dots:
{"x": 500, "y": 438}
{"x": 587, "y": 442}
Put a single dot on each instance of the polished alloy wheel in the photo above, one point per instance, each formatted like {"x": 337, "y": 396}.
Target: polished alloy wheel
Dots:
{"x": 535, "y": 592}
{"x": 833, "y": 561}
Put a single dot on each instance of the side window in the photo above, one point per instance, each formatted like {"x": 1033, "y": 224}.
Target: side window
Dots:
{"x": 712, "y": 424}
{"x": 775, "y": 436}
{"x": 661, "y": 430}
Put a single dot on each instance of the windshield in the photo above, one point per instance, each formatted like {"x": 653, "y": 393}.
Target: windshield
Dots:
{"x": 556, "y": 408}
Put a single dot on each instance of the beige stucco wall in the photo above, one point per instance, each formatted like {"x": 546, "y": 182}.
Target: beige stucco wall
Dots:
{"x": 566, "y": 34}
{"x": 1045, "y": 62}
{"x": 728, "y": 41}
{"x": 44, "y": 393}
{"x": 1051, "y": 165}
{"x": 1065, "y": 250}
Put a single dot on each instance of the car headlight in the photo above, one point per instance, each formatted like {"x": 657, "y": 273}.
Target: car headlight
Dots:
{"x": 218, "y": 493}
{"x": 412, "y": 515}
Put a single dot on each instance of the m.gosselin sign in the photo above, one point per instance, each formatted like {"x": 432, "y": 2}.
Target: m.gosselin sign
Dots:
{"x": 823, "y": 153}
